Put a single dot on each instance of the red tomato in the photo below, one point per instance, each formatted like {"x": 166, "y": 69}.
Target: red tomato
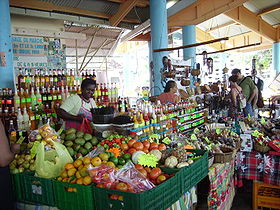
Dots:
{"x": 138, "y": 166}
{"x": 121, "y": 186}
{"x": 145, "y": 150}
{"x": 161, "y": 147}
{"x": 153, "y": 146}
{"x": 146, "y": 144}
{"x": 131, "y": 150}
{"x": 143, "y": 171}
{"x": 131, "y": 142}
{"x": 155, "y": 172}
{"x": 124, "y": 147}
{"x": 148, "y": 169}
{"x": 138, "y": 145}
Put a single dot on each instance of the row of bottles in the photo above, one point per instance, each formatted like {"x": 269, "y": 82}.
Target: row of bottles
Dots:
{"x": 106, "y": 94}
{"x": 47, "y": 78}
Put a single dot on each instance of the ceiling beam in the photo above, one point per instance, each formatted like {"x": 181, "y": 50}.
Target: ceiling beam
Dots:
{"x": 123, "y": 10}
{"x": 140, "y": 3}
{"x": 50, "y": 7}
{"x": 255, "y": 48}
{"x": 221, "y": 26}
{"x": 202, "y": 10}
{"x": 250, "y": 20}
{"x": 203, "y": 35}
{"x": 269, "y": 10}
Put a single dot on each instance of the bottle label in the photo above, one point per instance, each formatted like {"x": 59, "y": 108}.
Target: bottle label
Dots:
{"x": 23, "y": 100}
{"x": 34, "y": 100}
{"x": 9, "y": 101}
{"x": 49, "y": 98}
{"x": 54, "y": 114}
{"x": 54, "y": 97}
{"x": 39, "y": 99}
{"x": 49, "y": 114}
{"x": 68, "y": 79}
{"x": 28, "y": 100}
{"x": 17, "y": 101}
{"x": 32, "y": 117}
{"x": 55, "y": 79}
{"x": 45, "y": 98}
{"x": 3, "y": 101}
{"x": 37, "y": 116}
{"x": 59, "y": 97}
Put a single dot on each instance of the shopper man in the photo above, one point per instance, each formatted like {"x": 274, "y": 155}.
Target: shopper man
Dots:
{"x": 249, "y": 90}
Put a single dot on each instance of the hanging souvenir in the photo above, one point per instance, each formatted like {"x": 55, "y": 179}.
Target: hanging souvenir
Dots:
{"x": 210, "y": 65}
{"x": 204, "y": 54}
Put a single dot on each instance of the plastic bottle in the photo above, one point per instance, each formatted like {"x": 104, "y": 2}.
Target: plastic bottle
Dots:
{"x": 26, "y": 120}
{"x": 19, "y": 120}
{"x": 33, "y": 98}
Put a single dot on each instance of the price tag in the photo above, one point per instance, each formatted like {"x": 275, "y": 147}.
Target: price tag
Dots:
{"x": 148, "y": 160}
{"x": 166, "y": 140}
{"x": 20, "y": 140}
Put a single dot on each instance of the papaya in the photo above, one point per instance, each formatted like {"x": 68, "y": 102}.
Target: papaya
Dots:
{"x": 70, "y": 137}
{"x": 70, "y": 131}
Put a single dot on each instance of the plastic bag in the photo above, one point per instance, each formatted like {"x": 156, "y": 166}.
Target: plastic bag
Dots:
{"x": 129, "y": 174}
{"x": 85, "y": 126}
{"x": 95, "y": 152}
{"x": 45, "y": 132}
{"x": 49, "y": 164}
{"x": 104, "y": 175}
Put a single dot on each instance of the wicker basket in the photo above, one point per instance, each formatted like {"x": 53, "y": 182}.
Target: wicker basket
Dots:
{"x": 227, "y": 155}
{"x": 261, "y": 148}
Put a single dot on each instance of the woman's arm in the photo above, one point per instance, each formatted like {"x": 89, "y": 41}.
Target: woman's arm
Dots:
{"x": 6, "y": 153}
{"x": 66, "y": 116}
{"x": 233, "y": 94}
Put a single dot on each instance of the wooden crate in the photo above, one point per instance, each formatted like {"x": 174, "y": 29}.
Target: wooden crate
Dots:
{"x": 265, "y": 196}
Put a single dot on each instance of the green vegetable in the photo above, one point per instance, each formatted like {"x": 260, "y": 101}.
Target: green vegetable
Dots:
{"x": 70, "y": 131}
{"x": 88, "y": 145}
{"x": 94, "y": 141}
{"x": 68, "y": 143}
{"x": 71, "y": 151}
{"x": 76, "y": 147}
{"x": 87, "y": 136}
{"x": 80, "y": 141}
{"x": 70, "y": 137}
{"x": 80, "y": 134}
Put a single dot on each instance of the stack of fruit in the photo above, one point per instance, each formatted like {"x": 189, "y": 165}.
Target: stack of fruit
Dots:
{"x": 78, "y": 143}
{"x": 109, "y": 159}
{"x": 22, "y": 163}
{"x": 114, "y": 141}
{"x": 145, "y": 146}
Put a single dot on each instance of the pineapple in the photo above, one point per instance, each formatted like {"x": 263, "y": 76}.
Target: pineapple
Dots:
{"x": 180, "y": 153}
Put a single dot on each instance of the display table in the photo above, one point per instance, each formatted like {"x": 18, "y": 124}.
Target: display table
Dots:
{"x": 221, "y": 192}
{"x": 258, "y": 166}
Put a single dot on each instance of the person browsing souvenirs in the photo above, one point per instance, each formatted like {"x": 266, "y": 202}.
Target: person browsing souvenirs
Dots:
{"x": 78, "y": 106}
{"x": 169, "y": 94}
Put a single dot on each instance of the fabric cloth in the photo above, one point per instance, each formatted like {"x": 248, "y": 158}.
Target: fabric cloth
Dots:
{"x": 84, "y": 112}
{"x": 167, "y": 98}
{"x": 6, "y": 195}
{"x": 257, "y": 166}
{"x": 247, "y": 86}
{"x": 73, "y": 104}
{"x": 248, "y": 110}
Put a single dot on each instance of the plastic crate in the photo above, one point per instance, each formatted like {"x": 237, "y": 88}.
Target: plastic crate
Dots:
{"x": 17, "y": 186}
{"x": 37, "y": 190}
{"x": 79, "y": 199}
{"x": 265, "y": 196}
{"x": 160, "y": 197}
{"x": 194, "y": 173}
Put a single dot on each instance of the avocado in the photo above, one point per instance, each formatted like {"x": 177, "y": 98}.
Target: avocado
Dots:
{"x": 80, "y": 141}
{"x": 70, "y": 131}
{"x": 70, "y": 137}
{"x": 68, "y": 143}
{"x": 87, "y": 136}
{"x": 80, "y": 134}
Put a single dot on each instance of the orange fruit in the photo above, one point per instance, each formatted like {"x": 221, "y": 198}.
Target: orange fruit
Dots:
{"x": 78, "y": 175}
{"x": 80, "y": 180}
{"x": 68, "y": 166}
{"x": 65, "y": 180}
{"x": 87, "y": 180}
{"x": 73, "y": 181}
{"x": 96, "y": 161}
{"x": 77, "y": 163}
{"x": 86, "y": 160}
{"x": 80, "y": 167}
{"x": 71, "y": 172}
{"x": 124, "y": 147}
{"x": 83, "y": 172}
{"x": 138, "y": 145}
{"x": 63, "y": 174}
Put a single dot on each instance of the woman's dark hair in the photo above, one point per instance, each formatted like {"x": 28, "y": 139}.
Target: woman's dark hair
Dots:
{"x": 86, "y": 82}
{"x": 170, "y": 84}
{"x": 233, "y": 78}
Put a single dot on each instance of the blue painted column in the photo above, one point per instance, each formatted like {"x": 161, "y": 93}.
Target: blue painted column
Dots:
{"x": 6, "y": 72}
{"x": 276, "y": 57}
{"x": 159, "y": 38}
{"x": 189, "y": 37}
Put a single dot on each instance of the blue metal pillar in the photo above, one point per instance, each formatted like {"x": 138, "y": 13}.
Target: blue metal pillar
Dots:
{"x": 276, "y": 57}
{"x": 159, "y": 38}
{"x": 6, "y": 52}
{"x": 189, "y": 37}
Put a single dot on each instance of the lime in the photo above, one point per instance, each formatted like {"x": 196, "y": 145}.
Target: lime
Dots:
{"x": 114, "y": 160}
{"x": 127, "y": 156}
{"x": 121, "y": 161}
{"x": 110, "y": 154}
{"x": 119, "y": 166}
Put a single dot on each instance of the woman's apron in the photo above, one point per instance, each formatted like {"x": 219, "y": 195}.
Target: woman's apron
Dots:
{"x": 85, "y": 113}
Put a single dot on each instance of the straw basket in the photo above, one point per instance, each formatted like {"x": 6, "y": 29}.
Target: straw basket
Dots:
{"x": 261, "y": 148}
{"x": 224, "y": 157}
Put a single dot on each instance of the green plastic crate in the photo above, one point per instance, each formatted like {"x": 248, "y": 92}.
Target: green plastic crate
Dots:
{"x": 193, "y": 174}
{"x": 160, "y": 197}
{"x": 17, "y": 186}
{"x": 37, "y": 190}
{"x": 82, "y": 199}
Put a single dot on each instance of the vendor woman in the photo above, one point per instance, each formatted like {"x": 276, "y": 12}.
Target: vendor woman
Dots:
{"x": 169, "y": 94}
{"x": 77, "y": 107}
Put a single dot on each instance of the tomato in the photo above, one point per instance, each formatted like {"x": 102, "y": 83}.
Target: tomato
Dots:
{"x": 121, "y": 186}
{"x": 161, "y": 147}
{"x": 145, "y": 149}
{"x": 153, "y": 146}
{"x": 138, "y": 145}
{"x": 148, "y": 169}
{"x": 143, "y": 172}
{"x": 131, "y": 142}
{"x": 138, "y": 166}
{"x": 146, "y": 144}
{"x": 131, "y": 150}
{"x": 124, "y": 147}
{"x": 155, "y": 172}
